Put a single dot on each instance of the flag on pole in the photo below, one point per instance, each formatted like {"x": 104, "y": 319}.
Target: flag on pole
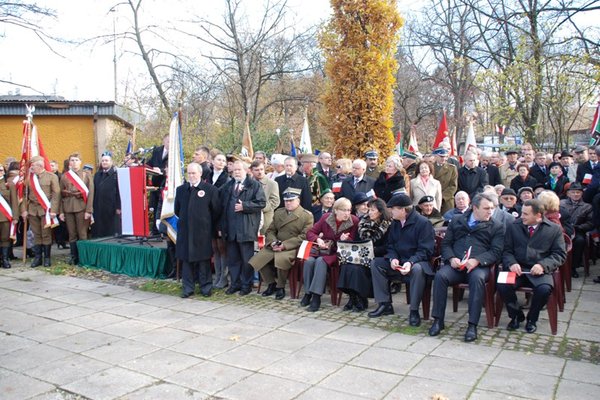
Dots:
{"x": 442, "y": 133}
{"x": 293, "y": 152}
{"x": 304, "y": 250}
{"x": 31, "y": 147}
{"x": 174, "y": 178}
{"x": 413, "y": 147}
{"x": 507, "y": 277}
{"x": 305, "y": 145}
{"x": 453, "y": 149}
{"x": 129, "y": 148}
{"x": 470, "y": 143}
{"x": 247, "y": 150}
{"x": 595, "y": 131}
{"x": 399, "y": 148}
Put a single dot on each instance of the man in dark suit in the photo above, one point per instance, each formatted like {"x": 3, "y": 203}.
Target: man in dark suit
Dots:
{"x": 492, "y": 171}
{"x": 324, "y": 166}
{"x": 201, "y": 157}
{"x": 471, "y": 178}
{"x": 539, "y": 170}
{"x": 198, "y": 208}
{"x": 159, "y": 160}
{"x": 534, "y": 248}
{"x": 358, "y": 182}
{"x": 294, "y": 180}
{"x": 243, "y": 200}
{"x": 472, "y": 244}
{"x": 586, "y": 168}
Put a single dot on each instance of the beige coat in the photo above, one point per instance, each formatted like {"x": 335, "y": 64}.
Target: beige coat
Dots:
{"x": 271, "y": 189}
{"x": 291, "y": 230}
{"x": 433, "y": 188}
{"x": 507, "y": 174}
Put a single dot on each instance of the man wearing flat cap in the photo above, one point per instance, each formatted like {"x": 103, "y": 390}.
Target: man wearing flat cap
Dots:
{"x": 447, "y": 175}
{"x": 317, "y": 182}
{"x": 426, "y": 207}
{"x": 508, "y": 202}
{"x": 410, "y": 246}
{"x": 508, "y": 170}
{"x": 409, "y": 163}
{"x": 283, "y": 238}
{"x": 569, "y": 168}
{"x": 373, "y": 170}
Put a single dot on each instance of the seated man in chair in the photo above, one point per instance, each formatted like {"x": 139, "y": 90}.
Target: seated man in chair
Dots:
{"x": 534, "y": 248}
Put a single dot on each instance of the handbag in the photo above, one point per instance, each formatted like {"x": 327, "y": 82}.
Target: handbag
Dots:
{"x": 355, "y": 252}
{"x": 315, "y": 251}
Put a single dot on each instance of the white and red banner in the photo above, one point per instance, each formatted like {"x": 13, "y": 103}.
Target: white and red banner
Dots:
{"x": 507, "y": 277}
{"x": 7, "y": 211}
{"x": 587, "y": 179}
{"x": 336, "y": 187}
{"x": 134, "y": 208}
{"x": 44, "y": 201}
{"x": 79, "y": 184}
{"x": 304, "y": 250}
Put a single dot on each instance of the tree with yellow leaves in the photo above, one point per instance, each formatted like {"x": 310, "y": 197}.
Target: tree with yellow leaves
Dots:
{"x": 359, "y": 43}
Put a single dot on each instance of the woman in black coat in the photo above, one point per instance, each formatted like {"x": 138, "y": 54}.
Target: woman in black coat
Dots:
{"x": 218, "y": 178}
{"x": 107, "y": 203}
{"x": 523, "y": 179}
{"x": 556, "y": 180}
{"x": 391, "y": 180}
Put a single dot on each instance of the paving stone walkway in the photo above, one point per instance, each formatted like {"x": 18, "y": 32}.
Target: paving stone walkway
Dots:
{"x": 65, "y": 337}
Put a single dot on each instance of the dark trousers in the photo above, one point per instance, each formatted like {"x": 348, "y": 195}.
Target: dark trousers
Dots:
{"x": 578, "y": 247}
{"x": 382, "y": 274}
{"x": 196, "y": 271}
{"x": 541, "y": 293}
{"x": 595, "y": 208}
{"x": 448, "y": 276}
{"x": 238, "y": 255}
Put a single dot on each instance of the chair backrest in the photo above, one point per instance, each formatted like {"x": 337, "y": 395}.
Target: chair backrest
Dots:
{"x": 568, "y": 242}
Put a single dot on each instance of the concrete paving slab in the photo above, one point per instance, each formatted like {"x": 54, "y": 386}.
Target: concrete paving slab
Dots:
{"x": 194, "y": 306}
{"x": 371, "y": 384}
{"x": 132, "y": 310}
{"x": 104, "y": 303}
{"x": 18, "y": 386}
{"x": 489, "y": 395}
{"x": 259, "y": 385}
{"x": 10, "y": 343}
{"x": 302, "y": 369}
{"x": 249, "y": 357}
{"x": 66, "y": 370}
{"x": 200, "y": 324}
{"x": 387, "y": 360}
{"x": 14, "y": 322}
{"x": 529, "y": 385}
{"x": 332, "y": 350}
{"x": 230, "y": 312}
{"x": 35, "y": 307}
{"x": 528, "y": 362}
{"x": 572, "y": 390}
{"x": 165, "y": 391}
{"x": 282, "y": 341}
{"x": 161, "y": 363}
{"x": 582, "y": 372}
{"x": 466, "y": 352}
{"x": 96, "y": 319}
{"x": 83, "y": 341}
{"x": 448, "y": 370}
{"x": 162, "y": 317}
{"x": 318, "y": 393}
{"x": 110, "y": 383}
{"x": 357, "y": 334}
{"x": 162, "y": 301}
{"x": 584, "y": 331}
{"x": 269, "y": 319}
{"x": 127, "y": 328}
{"x": 163, "y": 337}
{"x": 120, "y": 351}
{"x": 424, "y": 345}
{"x": 238, "y": 332}
{"x": 209, "y": 377}
{"x": 29, "y": 357}
{"x": 423, "y": 388}
{"x": 79, "y": 297}
{"x": 51, "y": 331}
{"x": 66, "y": 313}
{"x": 397, "y": 341}
{"x": 204, "y": 347}
{"x": 311, "y": 326}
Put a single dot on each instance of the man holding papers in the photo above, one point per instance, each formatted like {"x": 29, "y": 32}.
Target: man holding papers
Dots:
{"x": 533, "y": 249}
{"x": 472, "y": 244}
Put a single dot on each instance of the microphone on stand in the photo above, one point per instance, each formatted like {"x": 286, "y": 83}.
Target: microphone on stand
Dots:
{"x": 143, "y": 151}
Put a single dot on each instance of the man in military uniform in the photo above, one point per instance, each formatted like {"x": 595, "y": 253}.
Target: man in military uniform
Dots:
{"x": 373, "y": 170}
{"x": 283, "y": 238}
{"x": 41, "y": 216}
{"x": 77, "y": 190}
{"x": 447, "y": 174}
{"x": 8, "y": 215}
{"x": 317, "y": 182}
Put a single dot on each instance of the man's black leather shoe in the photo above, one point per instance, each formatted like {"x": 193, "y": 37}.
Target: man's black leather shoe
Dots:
{"x": 530, "y": 327}
{"x": 574, "y": 273}
{"x": 244, "y": 292}
{"x": 279, "y": 293}
{"x": 383, "y": 309}
{"x": 207, "y": 294}
{"x": 361, "y": 304}
{"x": 436, "y": 327}
{"x": 471, "y": 333}
{"x": 232, "y": 290}
{"x": 306, "y": 299}
{"x": 270, "y": 290}
{"x": 350, "y": 304}
{"x": 315, "y": 303}
{"x": 186, "y": 295}
{"x": 414, "y": 319}
{"x": 515, "y": 322}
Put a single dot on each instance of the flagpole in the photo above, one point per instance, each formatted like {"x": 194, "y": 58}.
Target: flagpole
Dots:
{"x": 29, "y": 116}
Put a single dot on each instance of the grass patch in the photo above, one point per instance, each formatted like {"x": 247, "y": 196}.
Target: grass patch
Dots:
{"x": 410, "y": 330}
{"x": 163, "y": 287}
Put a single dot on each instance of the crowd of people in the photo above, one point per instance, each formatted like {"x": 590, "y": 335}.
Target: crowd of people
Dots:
{"x": 511, "y": 210}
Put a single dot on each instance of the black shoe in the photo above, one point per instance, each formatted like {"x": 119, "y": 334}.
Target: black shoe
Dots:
{"x": 361, "y": 304}
{"x": 315, "y": 303}
{"x": 279, "y": 293}
{"x": 436, "y": 327}
{"x": 207, "y": 294}
{"x": 37, "y": 260}
{"x": 597, "y": 280}
{"x": 186, "y": 295}
{"x": 383, "y": 309}
{"x": 350, "y": 304}
{"x": 574, "y": 273}
{"x": 515, "y": 322}
{"x": 232, "y": 290}
{"x": 414, "y": 319}
{"x": 530, "y": 326}
{"x": 471, "y": 333}
{"x": 47, "y": 249}
{"x": 246, "y": 291}
{"x": 270, "y": 290}
{"x": 306, "y": 300}
{"x": 395, "y": 287}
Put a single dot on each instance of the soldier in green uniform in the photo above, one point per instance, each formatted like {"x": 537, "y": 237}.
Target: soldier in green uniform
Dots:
{"x": 283, "y": 238}
{"x": 447, "y": 174}
{"x": 317, "y": 182}
{"x": 373, "y": 169}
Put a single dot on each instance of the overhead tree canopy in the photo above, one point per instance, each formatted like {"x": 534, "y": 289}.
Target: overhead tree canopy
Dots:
{"x": 359, "y": 45}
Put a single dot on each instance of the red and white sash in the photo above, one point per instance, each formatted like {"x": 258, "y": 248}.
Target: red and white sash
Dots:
{"x": 7, "y": 211}
{"x": 44, "y": 202}
{"x": 79, "y": 184}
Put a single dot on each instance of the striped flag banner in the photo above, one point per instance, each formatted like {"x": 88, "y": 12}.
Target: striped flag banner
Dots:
{"x": 304, "y": 250}
{"x": 466, "y": 257}
{"x": 134, "y": 210}
{"x": 336, "y": 187}
{"x": 507, "y": 277}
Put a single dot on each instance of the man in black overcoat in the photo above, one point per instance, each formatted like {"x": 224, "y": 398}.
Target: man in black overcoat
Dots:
{"x": 198, "y": 207}
{"x": 536, "y": 246}
{"x": 472, "y": 178}
{"x": 107, "y": 203}
{"x": 291, "y": 179}
{"x": 359, "y": 181}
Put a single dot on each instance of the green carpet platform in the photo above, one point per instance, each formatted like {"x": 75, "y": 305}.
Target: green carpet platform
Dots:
{"x": 126, "y": 256}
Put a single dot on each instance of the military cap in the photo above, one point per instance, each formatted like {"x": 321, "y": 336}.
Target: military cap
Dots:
{"x": 291, "y": 193}
{"x": 426, "y": 199}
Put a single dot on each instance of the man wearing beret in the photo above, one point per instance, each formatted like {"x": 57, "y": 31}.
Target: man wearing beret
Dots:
{"x": 447, "y": 174}
{"x": 472, "y": 244}
{"x": 373, "y": 170}
{"x": 426, "y": 208}
{"x": 283, "y": 238}
{"x": 508, "y": 170}
{"x": 410, "y": 246}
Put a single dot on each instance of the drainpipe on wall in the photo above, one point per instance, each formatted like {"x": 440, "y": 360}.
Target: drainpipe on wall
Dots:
{"x": 96, "y": 160}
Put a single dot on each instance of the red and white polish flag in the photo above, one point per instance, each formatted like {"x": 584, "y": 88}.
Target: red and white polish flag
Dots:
{"x": 132, "y": 189}
{"x": 507, "y": 277}
{"x": 304, "y": 250}
{"x": 336, "y": 187}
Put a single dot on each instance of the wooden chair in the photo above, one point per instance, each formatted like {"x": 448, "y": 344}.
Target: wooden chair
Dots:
{"x": 551, "y": 306}
{"x": 490, "y": 289}
{"x": 589, "y": 253}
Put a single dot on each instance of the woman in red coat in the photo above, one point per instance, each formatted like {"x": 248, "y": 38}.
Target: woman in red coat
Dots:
{"x": 340, "y": 224}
